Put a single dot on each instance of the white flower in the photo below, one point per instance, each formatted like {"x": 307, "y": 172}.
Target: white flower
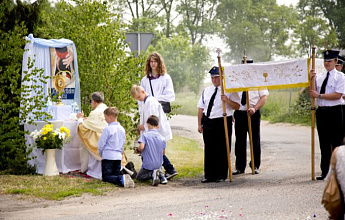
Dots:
{"x": 35, "y": 134}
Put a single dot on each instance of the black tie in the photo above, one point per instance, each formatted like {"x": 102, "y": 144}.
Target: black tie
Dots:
{"x": 211, "y": 103}
{"x": 244, "y": 98}
{"x": 323, "y": 87}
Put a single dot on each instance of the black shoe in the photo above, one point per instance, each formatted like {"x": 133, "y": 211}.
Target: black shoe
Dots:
{"x": 130, "y": 166}
{"x": 170, "y": 175}
{"x": 236, "y": 172}
{"x": 320, "y": 177}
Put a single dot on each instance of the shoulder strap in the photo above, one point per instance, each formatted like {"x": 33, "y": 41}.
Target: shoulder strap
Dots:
{"x": 151, "y": 87}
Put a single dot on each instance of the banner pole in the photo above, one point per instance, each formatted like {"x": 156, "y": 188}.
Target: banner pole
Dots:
{"x": 249, "y": 126}
{"x": 221, "y": 74}
{"x": 313, "y": 118}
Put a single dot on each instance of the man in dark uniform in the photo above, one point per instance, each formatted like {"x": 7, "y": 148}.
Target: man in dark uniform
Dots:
{"x": 211, "y": 125}
{"x": 329, "y": 89}
{"x": 257, "y": 100}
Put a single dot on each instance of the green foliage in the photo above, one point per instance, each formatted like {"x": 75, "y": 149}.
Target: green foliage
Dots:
{"x": 14, "y": 108}
{"x": 198, "y": 18}
{"x": 103, "y": 63}
{"x": 333, "y": 29}
{"x": 314, "y": 29}
{"x": 259, "y": 27}
{"x": 186, "y": 64}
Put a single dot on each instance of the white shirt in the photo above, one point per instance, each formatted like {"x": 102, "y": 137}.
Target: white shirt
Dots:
{"x": 152, "y": 107}
{"x": 163, "y": 88}
{"x": 112, "y": 142}
{"x": 217, "y": 109}
{"x": 335, "y": 83}
{"x": 254, "y": 97}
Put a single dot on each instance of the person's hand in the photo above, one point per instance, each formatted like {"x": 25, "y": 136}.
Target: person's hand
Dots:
{"x": 224, "y": 98}
{"x": 69, "y": 58}
{"x": 251, "y": 111}
{"x": 312, "y": 74}
{"x": 200, "y": 129}
{"x": 313, "y": 93}
{"x": 136, "y": 151}
{"x": 80, "y": 115}
{"x": 141, "y": 128}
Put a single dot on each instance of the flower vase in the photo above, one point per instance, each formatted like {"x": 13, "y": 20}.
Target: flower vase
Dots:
{"x": 51, "y": 168}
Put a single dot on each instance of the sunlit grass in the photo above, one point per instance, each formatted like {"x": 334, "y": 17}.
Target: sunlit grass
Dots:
{"x": 52, "y": 188}
{"x": 183, "y": 153}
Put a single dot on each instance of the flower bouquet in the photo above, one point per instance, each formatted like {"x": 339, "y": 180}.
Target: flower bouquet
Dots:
{"x": 47, "y": 138}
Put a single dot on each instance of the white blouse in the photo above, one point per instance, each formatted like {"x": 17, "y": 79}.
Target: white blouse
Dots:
{"x": 163, "y": 88}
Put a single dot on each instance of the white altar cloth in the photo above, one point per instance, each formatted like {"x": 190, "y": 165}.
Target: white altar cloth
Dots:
{"x": 68, "y": 158}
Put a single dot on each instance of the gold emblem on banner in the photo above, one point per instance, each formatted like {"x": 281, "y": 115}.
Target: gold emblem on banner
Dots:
{"x": 265, "y": 75}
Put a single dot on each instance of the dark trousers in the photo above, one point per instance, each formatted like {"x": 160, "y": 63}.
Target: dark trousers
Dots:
{"x": 111, "y": 171}
{"x": 329, "y": 121}
{"x": 169, "y": 168}
{"x": 215, "y": 153}
{"x": 241, "y": 130}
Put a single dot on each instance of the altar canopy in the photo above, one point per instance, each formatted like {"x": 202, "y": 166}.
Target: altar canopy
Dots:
{"x": 55, "y": 57}
{"x": 269, "y": 75}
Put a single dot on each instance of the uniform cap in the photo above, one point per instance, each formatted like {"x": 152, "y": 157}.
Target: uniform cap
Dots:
{"x": 214, "y": 71}
{"x": 340, "y": 62}
{"x": 330, "y": 54}
{"x": 248, "y": 61}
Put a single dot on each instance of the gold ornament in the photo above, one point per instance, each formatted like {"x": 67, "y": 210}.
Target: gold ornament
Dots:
{"x": 60, "y": 84}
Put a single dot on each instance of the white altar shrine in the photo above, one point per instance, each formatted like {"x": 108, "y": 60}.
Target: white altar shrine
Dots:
{"x": 58, "y": 59}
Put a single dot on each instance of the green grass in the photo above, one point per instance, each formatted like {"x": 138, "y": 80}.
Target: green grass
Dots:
{"x": 185, "y": 155}
{"x": 188, "y": 103}
{"x": 52, "y": 188}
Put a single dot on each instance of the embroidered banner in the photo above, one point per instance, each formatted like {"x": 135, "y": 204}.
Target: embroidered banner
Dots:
{"x": 272, "y": 75}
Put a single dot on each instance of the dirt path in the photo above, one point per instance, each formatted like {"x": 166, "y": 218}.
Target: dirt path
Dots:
{"x": 282, "y": 190}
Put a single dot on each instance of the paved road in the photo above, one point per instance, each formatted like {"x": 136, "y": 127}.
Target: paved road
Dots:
{"x": 282, "y": 190}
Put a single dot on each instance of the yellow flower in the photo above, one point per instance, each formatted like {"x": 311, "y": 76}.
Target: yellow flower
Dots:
{"x": 65, "y": 130}
{"x": 44, "y": 138}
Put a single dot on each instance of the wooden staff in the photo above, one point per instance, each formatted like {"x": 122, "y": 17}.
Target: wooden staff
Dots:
{"x": 224, "y": 115}
{"x": 249, "y": 126}
{"x": 313, "y": 118}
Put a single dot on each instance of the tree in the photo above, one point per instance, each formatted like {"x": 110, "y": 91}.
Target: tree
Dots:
{"x": 100, "y": 42}
{"x": 313, "y": 30}
{"x": 262, "y": 28}
{"x": 198, "y": 18}
{"x": 15, "y": 21}
{"x": 333, "y": 10}
{"x": 186, "y": 64}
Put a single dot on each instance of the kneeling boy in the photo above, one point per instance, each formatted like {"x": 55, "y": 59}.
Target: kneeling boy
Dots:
{"x": 152, "y": 148}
